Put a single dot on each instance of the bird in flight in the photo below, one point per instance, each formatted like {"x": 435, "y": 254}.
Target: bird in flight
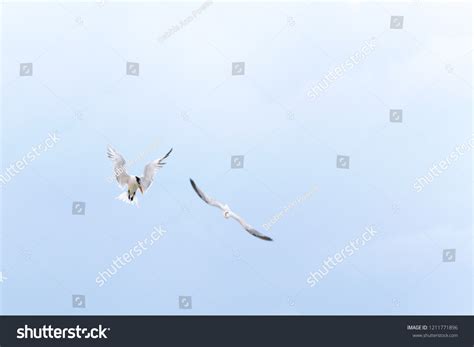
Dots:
{"x": 228, "y": 213}
{"x": 133, "y": 183}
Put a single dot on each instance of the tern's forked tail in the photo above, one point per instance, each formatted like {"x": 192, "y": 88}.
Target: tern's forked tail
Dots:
{"x": 124, "y": 197}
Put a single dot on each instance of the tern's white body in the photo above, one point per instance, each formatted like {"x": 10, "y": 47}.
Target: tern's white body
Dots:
{"x": 133, "y": 186}
{"x": 228, "y": 213}
{"x": 133, "y": 183}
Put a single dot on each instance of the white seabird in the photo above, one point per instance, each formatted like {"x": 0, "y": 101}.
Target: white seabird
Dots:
{"x": 228, "y": 213}
{"x": 133, "y": 183}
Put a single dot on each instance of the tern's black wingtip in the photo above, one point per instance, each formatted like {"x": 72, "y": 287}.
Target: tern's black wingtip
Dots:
{"x": 266, "y": 238}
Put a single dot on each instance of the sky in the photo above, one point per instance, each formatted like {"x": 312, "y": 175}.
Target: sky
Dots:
{"x": 191, "y": 92}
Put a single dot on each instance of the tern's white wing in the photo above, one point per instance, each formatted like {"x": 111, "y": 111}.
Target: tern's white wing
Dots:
{"x": 150, "y": 170}
{"x": 248, "y": 227}
{"x": 207, "y": 199}
{"x": 120, "y": 171}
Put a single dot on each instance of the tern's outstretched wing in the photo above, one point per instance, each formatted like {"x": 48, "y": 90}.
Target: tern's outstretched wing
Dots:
{"x": 248, "y": 227}
{"x": 150, "y": 170}
{"x": 207, "y": 199}
{"x": 120, "y": 171}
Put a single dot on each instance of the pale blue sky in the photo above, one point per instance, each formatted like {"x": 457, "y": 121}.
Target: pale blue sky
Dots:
{"x": 79, "y": 88}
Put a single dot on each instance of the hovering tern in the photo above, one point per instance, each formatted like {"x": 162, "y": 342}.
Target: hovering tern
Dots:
{"x": 133, "y": 183}
{"x": 228, "y": 213}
